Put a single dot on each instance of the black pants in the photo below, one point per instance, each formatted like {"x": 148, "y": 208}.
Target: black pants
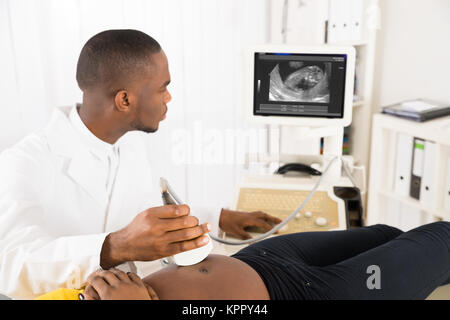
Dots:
{"x": 375, "y": 262}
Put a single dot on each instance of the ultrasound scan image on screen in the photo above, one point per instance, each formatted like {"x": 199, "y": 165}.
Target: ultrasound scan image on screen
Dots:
{"x": 300, "y": 81}
{"x": 290, "y": 84}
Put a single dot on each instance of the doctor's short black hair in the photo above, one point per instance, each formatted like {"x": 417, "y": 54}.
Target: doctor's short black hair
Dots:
{"x": 112, "y": 58}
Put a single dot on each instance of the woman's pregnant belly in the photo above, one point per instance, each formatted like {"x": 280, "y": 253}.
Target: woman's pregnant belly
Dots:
{"x": 218, "y": 277}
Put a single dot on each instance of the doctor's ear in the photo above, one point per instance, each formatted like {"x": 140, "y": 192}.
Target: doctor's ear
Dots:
{"x": 121, "y": 100}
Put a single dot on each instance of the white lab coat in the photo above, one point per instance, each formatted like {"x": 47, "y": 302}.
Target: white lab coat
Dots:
{"x": 54, "y": 215}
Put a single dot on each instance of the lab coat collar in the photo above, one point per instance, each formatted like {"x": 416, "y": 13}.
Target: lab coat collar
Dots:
{"x": 62, "y": 138}
{"x": 65, "y": 141}
{"x": 98, "y": 147}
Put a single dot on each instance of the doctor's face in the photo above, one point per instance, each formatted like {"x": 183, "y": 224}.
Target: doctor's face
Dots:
{"x": 152, "y": 95}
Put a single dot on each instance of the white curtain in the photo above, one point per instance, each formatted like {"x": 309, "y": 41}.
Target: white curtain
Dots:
{"x": 198, "y": 147}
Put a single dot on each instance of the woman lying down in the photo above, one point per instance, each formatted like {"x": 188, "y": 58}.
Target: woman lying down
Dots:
{"x": 375, "y": 262}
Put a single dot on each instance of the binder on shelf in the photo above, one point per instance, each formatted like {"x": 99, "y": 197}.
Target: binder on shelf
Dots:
{"x": 447, "y": 188}
{"x": 403, "y": 164}
{"x": 333, "y": 24}
{"x": 339, "y": 21}
{"x": 427, "y": 186}
{"x": 345, "y": 20}
{"x": 417, "y": 167}
{"x": 356, "y": 20}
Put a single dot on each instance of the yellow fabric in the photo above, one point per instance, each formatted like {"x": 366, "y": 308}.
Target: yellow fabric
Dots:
{"x": 61, "y": 294}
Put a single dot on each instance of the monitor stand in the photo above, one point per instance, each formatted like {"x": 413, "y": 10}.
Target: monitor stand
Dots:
{"x": 333, "y": 143}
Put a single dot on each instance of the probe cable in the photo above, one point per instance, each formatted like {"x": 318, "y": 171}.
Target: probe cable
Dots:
{"x": 281, "y": 224}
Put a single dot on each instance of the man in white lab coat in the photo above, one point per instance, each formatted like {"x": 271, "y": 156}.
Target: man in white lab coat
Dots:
{"x": 77, "y": 195}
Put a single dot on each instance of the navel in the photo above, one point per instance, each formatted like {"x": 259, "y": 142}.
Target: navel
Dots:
{"x": 203, "y": 269}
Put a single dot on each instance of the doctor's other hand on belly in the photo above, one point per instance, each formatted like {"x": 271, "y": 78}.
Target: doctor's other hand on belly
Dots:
{"x": 153, "y": 234}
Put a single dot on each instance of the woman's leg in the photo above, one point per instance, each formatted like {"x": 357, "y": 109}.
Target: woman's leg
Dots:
{"x": 326, "y": 247}
{"x": 410, "y": 266}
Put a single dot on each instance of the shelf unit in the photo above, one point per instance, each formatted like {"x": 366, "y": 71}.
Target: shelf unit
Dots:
{"x": 382, "y": 167}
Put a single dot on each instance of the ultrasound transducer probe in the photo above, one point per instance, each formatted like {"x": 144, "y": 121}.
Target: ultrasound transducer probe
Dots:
{"x": 189, "y": 257}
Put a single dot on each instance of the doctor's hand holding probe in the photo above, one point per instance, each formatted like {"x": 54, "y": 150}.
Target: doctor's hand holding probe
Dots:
{"x": 153, "y": 234}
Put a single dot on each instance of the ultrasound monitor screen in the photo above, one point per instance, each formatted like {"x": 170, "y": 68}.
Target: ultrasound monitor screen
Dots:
{"x": 299, "y": 84}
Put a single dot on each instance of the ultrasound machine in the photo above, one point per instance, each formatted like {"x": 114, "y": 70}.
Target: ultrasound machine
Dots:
{"x": 310, "y": 90}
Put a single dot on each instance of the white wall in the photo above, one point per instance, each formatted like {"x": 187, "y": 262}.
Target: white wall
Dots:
{"x": 413, "y": 51}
